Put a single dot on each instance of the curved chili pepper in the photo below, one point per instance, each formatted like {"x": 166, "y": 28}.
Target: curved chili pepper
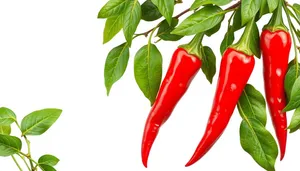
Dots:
{"x": 181, "y": 71}
{"x": 236, "y": 68}
{"x": 276, "y": 47}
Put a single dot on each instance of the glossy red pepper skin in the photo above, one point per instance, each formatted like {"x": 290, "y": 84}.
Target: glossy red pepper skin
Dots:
{"x": 275, "y": 48}
{"x": 235, "y": 70}
{"x": 182, "y": 69}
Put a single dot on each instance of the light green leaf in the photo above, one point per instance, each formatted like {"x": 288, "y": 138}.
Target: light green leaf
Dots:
{"x": 112, "y": 27}
{"x": 5, "y": 129}
{"x": 132, "y": 18}
{"x": 9, "y": 145}
{"x": 249, "y": 9}
{"x": 112, "y": 8}
{"x": 294, "y": 101}
{"x": 199, "y": 3}
{"x": 7, "y": 116}
{"x": 295, "y": 122}
{"x": 148, "y": 70}
{"x": 259, "y": 143}
{"x": 48, "y": 160}
{"x": 273, "y": 4}
{"x": 47, "y": 167}
{"x": 166, "y": 8}
{"x": 252, "y": 105}
{"x": 296, "y": 8}
{"x": 115, "y": 65}
{"x": 201, "y": 21}
{"x": 290, "y": 78}
{"x": 38, "y": 122}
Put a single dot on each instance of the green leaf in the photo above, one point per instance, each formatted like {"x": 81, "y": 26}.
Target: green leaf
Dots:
{"x": 273, "y": 4}
{"x": 214, "y": 29}
{"x": 148, "y": 70}
{"x": 5, "y": 129}
{"x": 259, "y": 143}
{"x": 199, "y": 3}
{"x": 7, "y": 116}
{"x": 38, "y": 122}
{"x": 201, "y": 21}
{"x": 132, "y": 18}
{"x": 264, "y": 9}
{"x": 150, "y": 12}
{"x": 255, "y": 41}
{"x": 48, "y": 160}
{"x": 227, "y": 41}
{"x": 290, "y": 78}
{"x": 295, "y": 122}
{"x": 164, "y": 31}
{"x": 115, "y": 65}
{"x": 9, "y": 145}
{"x": 249, "y": 9}
{"x": 237, "y": 20}
{"x": 298, "y": 35}
{"x": 112, "y": 8}
{"x": 252, "y": 105}
{"x": 47, "y": 167}
{"x": 112, "y": 27}
{"x": 209, "y": 63}
{"x": 294, "y": 101}
{"x": 296, "y": 8}
{"x": 166, "y": 8}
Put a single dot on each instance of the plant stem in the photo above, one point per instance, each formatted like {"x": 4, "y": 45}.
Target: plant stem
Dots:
{"x": 25, "y": 162}
{"x": 28, "y": 147}
{"x": 18, "y": 165}
{"x": 34, "y": 168}
{"x": 293, "y": 35}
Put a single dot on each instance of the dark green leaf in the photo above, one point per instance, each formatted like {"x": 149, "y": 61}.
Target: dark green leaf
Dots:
{"x": 294, "y": 101}
{"x": 7, "y": 116}
{"x": 149, "y": 11}
{"x": 38, "y": 122}
{"x": 227, "y": 41}
{"x": 298, "y": 34}
{"x": 165, "y": 29}
{"x": 254, "y": 42}
{"x": 272, "y": 4}
{"x": 5, "y": 129}
{"x": 115, "y": 65}
{"x": 148, "y": 70}
{"x": 296, "y": 8}
{"x": 295, "y": 122}
{"x": 47, "y": 167}
{"x": 259, "y": 143}
{"x": 112, "y": 8}
{"x": 199, "y": 3}
{"x": 237, "y": 20}
{"x": 213, "y": 30}
{"x": 48, "y": 160}
{"x": 249, "y": 9}
{"x": 9, "y": 145}
{"x": 290, "y": 78}
{"x": 113, "y": 26}
{"x": 252, "y": 105}
{"x": 166, "y": 8}
{"x": 209, "y": 63}
{"x": 132, "y": 18}
{"x": 201, "y": 21}
{"x": 264, "y": 9}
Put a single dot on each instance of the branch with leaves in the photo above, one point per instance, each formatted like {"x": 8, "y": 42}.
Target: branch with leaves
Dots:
{"x": 205, "y": 19}
{"x": 35, "y": 123}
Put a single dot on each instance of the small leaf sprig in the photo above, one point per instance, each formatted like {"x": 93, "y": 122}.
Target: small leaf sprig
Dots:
{"x": 35, "y": 123}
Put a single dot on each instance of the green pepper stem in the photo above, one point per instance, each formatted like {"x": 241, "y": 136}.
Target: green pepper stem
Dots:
{"x": 194, "y": 47}
{"x": 276, "y": 22}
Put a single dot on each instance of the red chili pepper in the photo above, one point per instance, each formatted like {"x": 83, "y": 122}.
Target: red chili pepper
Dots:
{"x": 236, "y": 68}
{"x": 276, "y": 47}
{"x": 182, "y": 69}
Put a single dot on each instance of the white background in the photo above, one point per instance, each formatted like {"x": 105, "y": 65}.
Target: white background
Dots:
{"x": 51, "y": 55}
